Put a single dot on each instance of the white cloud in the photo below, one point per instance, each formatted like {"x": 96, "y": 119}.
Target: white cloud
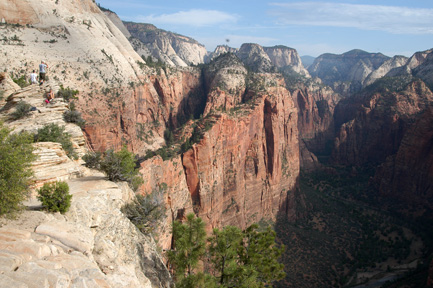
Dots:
{"x": 196, "y": 17}
{"x": 393, "y": 19}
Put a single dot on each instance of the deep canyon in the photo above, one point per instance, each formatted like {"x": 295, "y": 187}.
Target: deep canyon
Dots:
{"x": 337, "y": 157}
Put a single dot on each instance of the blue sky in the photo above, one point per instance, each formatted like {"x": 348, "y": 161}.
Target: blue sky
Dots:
{"x": 394, "y": 27}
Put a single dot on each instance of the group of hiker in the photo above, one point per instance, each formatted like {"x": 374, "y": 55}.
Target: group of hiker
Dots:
{"x": 43, "y": 67}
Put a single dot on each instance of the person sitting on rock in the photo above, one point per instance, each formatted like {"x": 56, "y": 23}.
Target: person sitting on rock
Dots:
{"x": 42, "y": 71}
{"x": 50, "y": 96}
{"x": 33, "y": 77}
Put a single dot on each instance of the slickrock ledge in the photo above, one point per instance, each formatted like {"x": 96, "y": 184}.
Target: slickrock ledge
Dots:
{"x": 92, "y": 245}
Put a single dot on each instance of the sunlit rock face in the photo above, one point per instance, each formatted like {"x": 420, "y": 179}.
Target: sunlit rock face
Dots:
{"x": 347, "y": 72}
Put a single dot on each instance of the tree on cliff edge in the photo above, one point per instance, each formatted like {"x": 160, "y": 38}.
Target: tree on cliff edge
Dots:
{"x": 15, "y": 172}
{"x": 190, "y": 246}
{"x": 233, "y": 258}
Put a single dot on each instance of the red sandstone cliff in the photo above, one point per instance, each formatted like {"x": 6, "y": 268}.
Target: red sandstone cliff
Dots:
{"x": 138, "y": 115}
{"x": 247, "y": 164}
{"x": 245, "y": 167}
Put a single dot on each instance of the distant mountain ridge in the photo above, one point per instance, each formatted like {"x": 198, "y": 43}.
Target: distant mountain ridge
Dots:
{"x": 353, "y": 66}
{"x": 171, "y": 48}
{"x": 179, "y": 50}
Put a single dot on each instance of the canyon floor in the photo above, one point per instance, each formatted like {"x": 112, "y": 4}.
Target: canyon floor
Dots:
{"x": 348, "y": 239}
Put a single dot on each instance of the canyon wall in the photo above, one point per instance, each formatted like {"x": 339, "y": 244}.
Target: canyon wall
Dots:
{"x": 408, "y": 174}
{"x": 374, "y": 122}
{"x": 315, "y": 105}
{"x": 245, "y": 167}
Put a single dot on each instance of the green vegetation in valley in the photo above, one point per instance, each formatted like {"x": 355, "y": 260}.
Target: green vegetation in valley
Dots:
{"x": 343, "y": 231}
{"x": 15, "y": 160}
{"x": 230, "y": 257}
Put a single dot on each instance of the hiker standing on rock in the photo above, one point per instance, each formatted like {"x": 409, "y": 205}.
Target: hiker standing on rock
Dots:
{"x": 42, "y": 71}
{"x": 33, "y": 77}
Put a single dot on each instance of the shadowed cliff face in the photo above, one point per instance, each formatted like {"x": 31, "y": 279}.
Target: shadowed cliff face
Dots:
{"x": 269, "y": 135}
{"x": 408, "y": 175}
{"x": 374, "y": 123}
{"x": 315, "y": 122}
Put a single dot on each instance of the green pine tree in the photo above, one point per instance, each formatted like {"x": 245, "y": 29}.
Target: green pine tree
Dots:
{"x": 241, "y": 259}
{"x": 261, "y": 254}
{"x": 189, "y": 246}
{"x": 224, "y": 247}
{"x": 198, "y": 280}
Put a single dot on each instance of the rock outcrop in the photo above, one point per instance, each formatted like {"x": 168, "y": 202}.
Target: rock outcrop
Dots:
{"x": 419, "y": 65}
{"x": 171, "y": 48}
{"x": 7, "y": 87}
{"x": 255, "y": 57}
{"x": 254, "y": 152}
{"x": 284, "y": 57}
{"x": 52, "y": 162}
{"x": 265, "y": 59}
{"x": 169, "y": 177}
{"x": 390, "y": 64}
{"x": 225, "y": 80}
{"x": 92, "y": 245}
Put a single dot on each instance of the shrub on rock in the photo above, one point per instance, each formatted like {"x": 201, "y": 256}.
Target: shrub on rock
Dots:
{"x": 55, "y": 133}
{"x": 118, "y": 166}
{"x": 74, "y": 116}
{"x": 21, "y": 110}
{"x": 15, "y": 160}
{"x": 55, "y": 197}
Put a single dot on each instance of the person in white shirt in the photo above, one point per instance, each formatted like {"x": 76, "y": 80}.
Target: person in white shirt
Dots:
{"x": 33, "y": 77}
